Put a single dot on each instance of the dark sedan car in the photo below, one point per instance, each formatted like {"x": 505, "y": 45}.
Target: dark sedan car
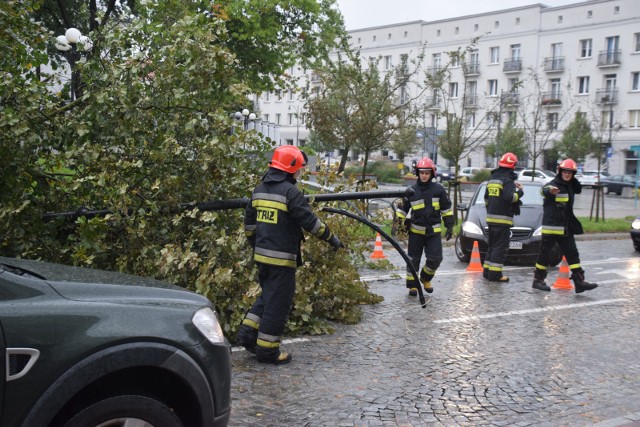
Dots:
{"x": 615, "y": 183}
{"x": 525, "y": 234}
{"x": 85, "y": 348}
{"x": 635, "y": 233}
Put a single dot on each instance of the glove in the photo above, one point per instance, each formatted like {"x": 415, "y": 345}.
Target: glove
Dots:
{"x": 449, "y": 234}
{"x": 407, "y": 224}
{"x": 335, "y": 242}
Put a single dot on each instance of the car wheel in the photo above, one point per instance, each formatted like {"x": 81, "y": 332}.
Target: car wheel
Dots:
{"x": 605, "y": 189}
{"x": 121, "y": 411}
{"x": 462, "y": 255}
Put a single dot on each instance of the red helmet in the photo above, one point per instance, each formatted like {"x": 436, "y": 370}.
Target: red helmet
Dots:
{"x": 426, "y": 163}
{"x": 568, "y": 165}
{"x": 508, "y": 160}
{"x": 288, "y": 158}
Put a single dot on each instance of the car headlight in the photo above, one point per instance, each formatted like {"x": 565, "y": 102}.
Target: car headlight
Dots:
{"x": 538, "y": 232}
{"x": 207, "y": 323}
{"x": 636, "y": 224}
{"x": 471, "y": 228}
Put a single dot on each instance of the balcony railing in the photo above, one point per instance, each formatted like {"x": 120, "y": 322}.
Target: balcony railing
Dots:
{"x": 471, "y": 101}
{"x": 472, "y": 69}
{"x": 552, "y": 65}
{"x": 607, "y": 96}
{"x": 551, "y": 99}
{"x": 434, "y": 70}
{"x": 512, "y": 65}
{"x": 510, "y": 98}
{"x": 609, "y": 58}
{"x": 433, "y": 102}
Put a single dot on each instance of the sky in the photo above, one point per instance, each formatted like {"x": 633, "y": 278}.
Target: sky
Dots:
{"x": 370, "y": 13}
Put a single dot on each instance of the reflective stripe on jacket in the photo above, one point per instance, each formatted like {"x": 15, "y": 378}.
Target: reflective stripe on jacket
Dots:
{"x": 429, "y": 206}
{"x": 500, "y": 196}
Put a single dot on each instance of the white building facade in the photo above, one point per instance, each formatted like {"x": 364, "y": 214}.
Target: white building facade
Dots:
{"x": 585, "y": 58}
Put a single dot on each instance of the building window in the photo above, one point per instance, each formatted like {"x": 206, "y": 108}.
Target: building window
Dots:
{"x": 290, "y": 95}
{"x": 637, "y": 42}
{"x": 374, "y": 38}
{"x": 290, "y": 118}
{"x": 635, "y": 81}
{"x": 517, "y": 21}
{"x": 552, "y": 121}
{"x": 475, "y": 27}
{"x": 277, "y": 118}
{"x": 560, "y": 19}
{"x": 453, "y": 90}
{"x": 457, "y": 30}
{"x": 583, "y": 85}
{"x": 515, "y": 52}
{"x": 455, "y": 61}
{"x": 387, "y": 62}
{"x": 359, "y": 40}
{"x": 493, "y": 88}
{"x": 267, "y": 96}
{"x": 616, "y": 10}
{"x": 438, "y": 32}
{"x": 634, "y": 119}
{"x": 585, "y": 48}
{"x": 406, "y": 34}
{"x": 496, "y": 24}
{"x": 389, "y": 36}
{"x": 589, "y": 14}
{"x": 279, "y": 94}
{"x": 289, "y": 141}
{"x": 265, "y": 117}
{"x": 471, "y": 120}
{"x": 581, "y": 115}
{"x": 494, "y": 53}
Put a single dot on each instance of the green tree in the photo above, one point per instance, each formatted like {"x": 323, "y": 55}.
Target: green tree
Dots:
{"x": 405, "y": 141}
{"x": 510, "y": 139}
{"x": 356, "y": 105}
{"x": 151, "y": 132}
{"x": 577, "y": 140}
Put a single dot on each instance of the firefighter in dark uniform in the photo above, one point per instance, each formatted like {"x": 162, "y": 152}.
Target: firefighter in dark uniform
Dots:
{"x": 429, "y": 206}
{"x": 273, "y": 224}
{"x": 559, "y": 225}
{"x": 502, "y": 197}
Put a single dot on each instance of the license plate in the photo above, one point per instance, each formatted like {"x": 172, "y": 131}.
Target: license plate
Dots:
{"x": 515, "y": 245}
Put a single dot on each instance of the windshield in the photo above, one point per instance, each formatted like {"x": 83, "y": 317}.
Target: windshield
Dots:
{"x": 532, "y": 196}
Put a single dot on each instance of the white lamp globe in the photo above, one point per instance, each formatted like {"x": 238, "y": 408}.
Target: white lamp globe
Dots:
{"x": 245, "y": 112}
{"x": 73, "y": 35}
{"x": 252, "y": 116}
{"x": 62, "y": 43}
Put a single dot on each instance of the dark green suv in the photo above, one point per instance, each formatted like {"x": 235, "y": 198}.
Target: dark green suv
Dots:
{"x": 82, "y": 347}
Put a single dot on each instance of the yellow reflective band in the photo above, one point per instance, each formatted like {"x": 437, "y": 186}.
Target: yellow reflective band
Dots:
{"x": 554, "y": 232}
{"x": 258, "y": 203}
{"x": 401, "y": 214}
{"x": 267, "y": 344}
{"x": 562, "y": 199}
{"x": 418, "y": 206}
{"x": 250, "y": 323}
{"x": 574, "y": 266}
{"x": 437, "y": 229}
{"x": 499, "y": 221}
{"x": 275, "y": 261}
{"x": 540, "y": 267}
{"x": 494, "y": 268}
{"x": 447, "y": 213}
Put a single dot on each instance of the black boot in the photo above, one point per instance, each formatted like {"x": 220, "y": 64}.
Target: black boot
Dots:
{"x": 581, "y": 285}
{"x": 247, "y": 337}
{"x": 540, "y": 285}
{"x": 538, "y": 280}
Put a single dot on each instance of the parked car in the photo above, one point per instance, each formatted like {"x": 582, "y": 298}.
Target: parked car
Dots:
{"x": 589, "y": 178}
{"x": 83, "y": 347}
{"x": 539, "y": 175}
{"x": 444, "y": 174}
{"x": 635, "y": 233}
{"x": 469, "y": 172}
{"x": 526, "y": 233}
{"x": 615, "y": 183}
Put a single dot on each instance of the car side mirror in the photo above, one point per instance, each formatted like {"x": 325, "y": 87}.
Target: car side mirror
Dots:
{"x": 463, "y": 207}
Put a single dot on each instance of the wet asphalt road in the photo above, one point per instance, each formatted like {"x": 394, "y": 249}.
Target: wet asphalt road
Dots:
{"x": 478, "y": 354}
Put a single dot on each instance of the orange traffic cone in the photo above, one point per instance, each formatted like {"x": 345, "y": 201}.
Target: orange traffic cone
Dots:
{"x": 563, "y": 281}
{"x": 377, "y": 250}
{"x": 475, "y": 264}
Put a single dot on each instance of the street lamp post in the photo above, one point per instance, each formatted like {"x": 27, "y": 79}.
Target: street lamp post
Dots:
{"x": 72, "y": 45}
{"x": 245, "y": 116}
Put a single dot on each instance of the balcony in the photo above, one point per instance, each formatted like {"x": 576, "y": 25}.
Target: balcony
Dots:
{"x": 551, "y": 99}
{"x": 609, "y": 58}
{"x": 470, "y": 101}
{"x": 510, "y": 99}
{"x": 472, "y": 69}
{"x": 512, "y": 65}
{"x": 554, "y": 65}
{"x": 607, "y": 96}
{"x": 432, "y": 71}
{"x": 433, "y": 102}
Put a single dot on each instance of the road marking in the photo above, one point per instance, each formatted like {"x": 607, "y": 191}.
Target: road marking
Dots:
{"x": 529, "y": 311}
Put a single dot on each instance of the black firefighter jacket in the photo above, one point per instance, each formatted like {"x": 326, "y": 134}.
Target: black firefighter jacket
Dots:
{"x": 502, "y": 198}
{"x": 429, "y": 205}
{"x": 275, "y": 217}
{"x": 558, "y": 218}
